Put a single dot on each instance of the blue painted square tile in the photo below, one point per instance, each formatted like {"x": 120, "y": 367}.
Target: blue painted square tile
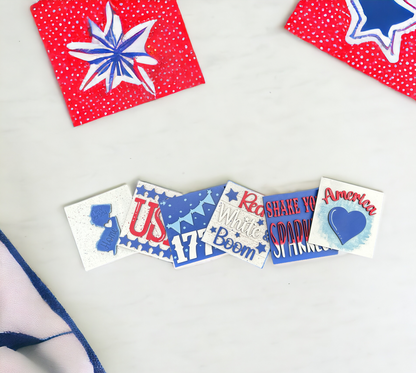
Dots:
{"x": 289, "y": 219}
{"x": 186, "y": 218}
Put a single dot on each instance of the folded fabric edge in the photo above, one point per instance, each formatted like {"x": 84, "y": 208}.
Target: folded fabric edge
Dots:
{"x": 53, "y": 303}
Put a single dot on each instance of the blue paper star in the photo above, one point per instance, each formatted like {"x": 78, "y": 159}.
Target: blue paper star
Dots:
{"x": 232, "y": 196}
{"x": 151, "y": 193}
{"x": 381, "y": 21}
{"x": 260, "y": 222}
{"x": 383, "y": 15}
{"x": 135, "y": 244}
{"x": 162, "y": 197}
{"x": 167, "y": 253}
{"x": 213, "y": 230}
{"x": 112, "y": 54}
{"x": 237, "y": 234}
{"x": 146, "y": 247}
{"x": 124, "y": 240}
{"x": 141, "y": 190}
{"x": 156, "y": 250}
{"x": 261, "y": 248}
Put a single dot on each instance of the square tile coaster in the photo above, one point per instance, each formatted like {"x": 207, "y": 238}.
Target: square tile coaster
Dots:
{"x": 143, "y": 230}
{"x": 238, "y": 225}
{"x": 289, "y": 218}
{"x": 346, "y": 217}
{"x": 95, "y": 224}
{"x": 186, "y": 218}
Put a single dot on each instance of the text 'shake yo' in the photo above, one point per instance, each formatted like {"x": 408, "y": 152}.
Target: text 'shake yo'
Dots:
{"x": 346, "y": 217}
{"x": 186, "y": 218}
{"x": 238, "y": 225}
{"x": 96, "y": 223}
{"x": 110, "y": 56}
{"x": 143, "y": 230}
{"x": 376, "y": 37}
{"x": 289, "y": 218}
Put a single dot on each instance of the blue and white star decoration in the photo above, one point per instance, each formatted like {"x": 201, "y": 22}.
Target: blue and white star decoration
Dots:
{"x": 111, "y": 54}
{"x": 261, "y": 248}
{"x": 146, "y": 246}
{"x": 232, "y": 195}
{"x": 151, "y": 193}
{"x": 138, "y": 216}
{"x": 383, "y": 22}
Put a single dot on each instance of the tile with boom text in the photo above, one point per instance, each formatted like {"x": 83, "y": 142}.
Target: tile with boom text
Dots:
{"x": 346, "y": 217}
{"x": 238, "y": 225}
{"x": 289, "y": 218}
{"x": 186, "y": 218}
{"x": 95, "y": 224}
{"x": 143, "y": 230}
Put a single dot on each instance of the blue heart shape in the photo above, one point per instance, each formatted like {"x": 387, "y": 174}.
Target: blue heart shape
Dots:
{"x": 346, "y": 225}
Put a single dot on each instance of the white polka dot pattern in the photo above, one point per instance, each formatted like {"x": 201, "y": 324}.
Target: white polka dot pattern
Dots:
{"x": 325, "y": 24}
{"x": 61, "y": 22}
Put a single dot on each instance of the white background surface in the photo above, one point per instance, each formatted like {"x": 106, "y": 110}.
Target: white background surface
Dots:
{"x": 275, "y": 115}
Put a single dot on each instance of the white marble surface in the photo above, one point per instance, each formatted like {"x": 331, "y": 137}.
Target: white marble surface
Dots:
{"x": 275, "y": 115}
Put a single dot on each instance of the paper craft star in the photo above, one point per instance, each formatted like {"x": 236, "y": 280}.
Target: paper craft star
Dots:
{"x": 135, "y": 244}
{"x": 383, "y": 22}
{"x": 146, "y": 247}
{"x": 383, "y": 15}
{"x": 166, "y": 253}
{"x": 232, "y": 196}
{"x": 261, "y": 248}
{"x": 141, "y": 190}
{"x": 260, "y": 222}
{"x": 237, "y": 234}
{"x": 112, "y": 54}
{"x": 162, "y": 196}
{"x": 124, "y": 240}
{"x": 156, "y": 250}
{"x": 213, "y": 230}
{"x": 151, "y": 193}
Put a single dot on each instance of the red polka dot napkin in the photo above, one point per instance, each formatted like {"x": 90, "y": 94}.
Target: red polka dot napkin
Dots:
{"x": 110, "y": 56}
{"x": 375, "y": 37}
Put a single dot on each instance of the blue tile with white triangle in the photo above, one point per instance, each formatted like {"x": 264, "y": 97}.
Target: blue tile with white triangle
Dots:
{"x": 186, "y": 218}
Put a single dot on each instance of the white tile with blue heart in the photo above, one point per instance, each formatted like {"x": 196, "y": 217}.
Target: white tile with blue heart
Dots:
{"x": 346, "y": 217}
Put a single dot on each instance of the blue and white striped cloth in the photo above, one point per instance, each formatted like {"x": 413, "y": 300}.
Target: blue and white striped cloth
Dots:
{"x": 36, "y": 333}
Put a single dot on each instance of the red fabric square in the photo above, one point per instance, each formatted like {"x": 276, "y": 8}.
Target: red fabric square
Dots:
{"x": 167, "y": 61}
{"x": 376, "y": 38}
